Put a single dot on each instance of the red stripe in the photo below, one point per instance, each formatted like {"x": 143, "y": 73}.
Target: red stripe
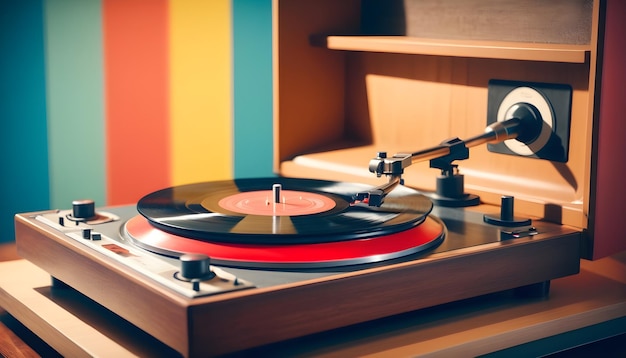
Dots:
{"x": 611, "y": 170}
{"x": 137, "y": 109}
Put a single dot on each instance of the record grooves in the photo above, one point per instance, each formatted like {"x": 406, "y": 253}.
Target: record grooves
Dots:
{"x": 198, "y": 211}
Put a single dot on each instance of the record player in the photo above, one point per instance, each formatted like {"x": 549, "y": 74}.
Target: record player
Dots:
{"x": 354, "y": 228}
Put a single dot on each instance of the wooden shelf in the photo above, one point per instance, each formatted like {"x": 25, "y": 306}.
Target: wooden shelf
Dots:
{"x": 590, "y": 301}
{"x": 458, "y": 48}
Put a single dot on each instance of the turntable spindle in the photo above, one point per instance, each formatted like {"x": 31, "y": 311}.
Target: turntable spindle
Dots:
{"x": 276, "y": 188}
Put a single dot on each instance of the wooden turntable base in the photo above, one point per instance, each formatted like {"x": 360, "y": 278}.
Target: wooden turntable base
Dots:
{"x": 594, "y": 301}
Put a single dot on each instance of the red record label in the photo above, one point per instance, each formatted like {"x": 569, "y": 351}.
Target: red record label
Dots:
{"x": 290, "y": 203}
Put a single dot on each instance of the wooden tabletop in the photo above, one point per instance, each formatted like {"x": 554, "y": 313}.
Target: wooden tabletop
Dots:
{"x": 593, "y": 298}
{"x": 12, "y": 333}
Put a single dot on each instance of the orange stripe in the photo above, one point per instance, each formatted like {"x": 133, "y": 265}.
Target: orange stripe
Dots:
{"x": 136, "y": 81}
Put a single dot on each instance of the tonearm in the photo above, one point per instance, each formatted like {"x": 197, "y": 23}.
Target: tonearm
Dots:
{"x": 521, "y": 125}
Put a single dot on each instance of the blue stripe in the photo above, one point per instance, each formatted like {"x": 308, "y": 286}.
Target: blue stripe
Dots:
{"x": 252, "y": 83}
{"x": 75, "y": 101}
{"x": 23, "y": 135}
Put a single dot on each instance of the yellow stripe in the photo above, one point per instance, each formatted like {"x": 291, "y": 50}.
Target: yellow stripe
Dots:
{"x": 200, "y": 90}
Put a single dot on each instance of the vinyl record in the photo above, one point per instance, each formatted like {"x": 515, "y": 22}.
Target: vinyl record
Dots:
{"x": 307, "y": 211}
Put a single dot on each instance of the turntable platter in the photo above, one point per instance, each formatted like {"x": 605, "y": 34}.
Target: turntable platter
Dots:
{"x": 302, "y": 224}
{"x": 429, "y": 234}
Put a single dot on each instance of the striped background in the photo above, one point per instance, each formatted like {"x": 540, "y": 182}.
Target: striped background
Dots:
{"x": 113, "y": 99}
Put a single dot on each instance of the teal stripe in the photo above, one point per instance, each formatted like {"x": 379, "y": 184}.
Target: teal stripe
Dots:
{"x": 75, "y": 101}
{"x": 252, "y": 82}
{"x": 23, "y": 142}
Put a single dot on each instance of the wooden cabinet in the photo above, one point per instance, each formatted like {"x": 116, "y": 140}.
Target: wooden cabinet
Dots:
{"x": 353, "y": 78}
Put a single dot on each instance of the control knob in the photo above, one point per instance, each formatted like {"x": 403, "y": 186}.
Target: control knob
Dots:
{"x": 195, "y": 268}
{"x": 506, "y": 217}
{"x": 84, "y": 209}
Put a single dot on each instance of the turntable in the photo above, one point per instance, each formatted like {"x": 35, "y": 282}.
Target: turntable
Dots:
{"x": 332, "y": 241}
{"x": 279, "y": 258}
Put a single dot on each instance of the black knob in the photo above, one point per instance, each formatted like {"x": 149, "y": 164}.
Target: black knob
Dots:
{"x": 195, "y": 266}
{"x": 506, "y": 208}
{"x": 506, "y": 217}
{"x": 83, "y": 209}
